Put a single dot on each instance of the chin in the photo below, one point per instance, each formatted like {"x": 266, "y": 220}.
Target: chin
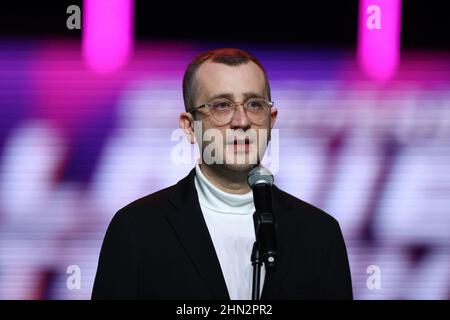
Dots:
{"x": 239, "y": 167}
{"x": 241, "y": 162}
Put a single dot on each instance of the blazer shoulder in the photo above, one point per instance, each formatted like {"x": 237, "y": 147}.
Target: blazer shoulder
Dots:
{"x": 151, "y": 209}
{"x": 152, "y": 204}
{"x": 304, "y": 210}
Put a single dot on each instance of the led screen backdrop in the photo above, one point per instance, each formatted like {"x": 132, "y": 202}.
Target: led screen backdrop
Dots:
{"x": 77, "y": 145}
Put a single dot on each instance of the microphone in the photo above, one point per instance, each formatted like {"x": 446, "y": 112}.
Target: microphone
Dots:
{"x": 260, "y": 180}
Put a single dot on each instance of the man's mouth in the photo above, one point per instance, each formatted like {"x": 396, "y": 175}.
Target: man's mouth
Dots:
{"x": 241, "y": 144}
{"x": 241, "y": 141}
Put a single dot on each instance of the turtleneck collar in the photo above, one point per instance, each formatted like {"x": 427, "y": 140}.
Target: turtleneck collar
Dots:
{"x": 219, "y": 201}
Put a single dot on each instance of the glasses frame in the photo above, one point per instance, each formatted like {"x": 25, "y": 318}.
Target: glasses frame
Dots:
{"x": 234, "y": 103}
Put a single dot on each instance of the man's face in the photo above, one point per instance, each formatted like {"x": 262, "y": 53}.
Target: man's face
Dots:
{"x": 246, "y": 142}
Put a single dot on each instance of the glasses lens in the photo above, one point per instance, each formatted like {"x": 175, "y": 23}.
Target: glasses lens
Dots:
{"x": 222, "y": 110}
{"x": 257, "y": 110}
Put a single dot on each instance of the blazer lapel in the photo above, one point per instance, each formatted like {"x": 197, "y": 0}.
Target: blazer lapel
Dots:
{"x": 190, "y": 226}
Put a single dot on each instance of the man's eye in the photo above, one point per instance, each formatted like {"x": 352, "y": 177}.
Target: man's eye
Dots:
{"x": 221, "y": 105}
{"x": 255, "y": 104}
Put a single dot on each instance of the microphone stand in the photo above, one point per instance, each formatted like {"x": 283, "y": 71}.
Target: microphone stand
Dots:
{"x": 256, "y": 263}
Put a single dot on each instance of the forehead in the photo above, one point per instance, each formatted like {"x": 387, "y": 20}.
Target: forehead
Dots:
{"x": 214, "y": 78}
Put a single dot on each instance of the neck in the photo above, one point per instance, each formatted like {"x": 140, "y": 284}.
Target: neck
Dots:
{"x": 226, "y": 180}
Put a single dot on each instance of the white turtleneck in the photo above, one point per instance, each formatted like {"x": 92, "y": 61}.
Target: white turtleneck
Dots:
{"x": 229, "y": 218}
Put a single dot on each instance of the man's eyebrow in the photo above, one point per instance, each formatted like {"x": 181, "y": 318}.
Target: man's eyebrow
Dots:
{"x": 230, "y": 96}
{"x": 248, "y": 95}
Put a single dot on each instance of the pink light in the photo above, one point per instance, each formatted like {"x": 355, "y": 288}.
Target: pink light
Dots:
{"x": 379, "y": 49}
{"x": 107, "y": 33}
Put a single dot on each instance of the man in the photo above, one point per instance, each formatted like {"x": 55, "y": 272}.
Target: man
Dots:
{"x": 193, "y": 240}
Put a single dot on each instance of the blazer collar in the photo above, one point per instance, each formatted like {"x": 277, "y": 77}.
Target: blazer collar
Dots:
{"x": 191, "y": 228}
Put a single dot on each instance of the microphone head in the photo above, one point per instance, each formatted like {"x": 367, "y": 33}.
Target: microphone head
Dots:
{"x": 259, "y": 175}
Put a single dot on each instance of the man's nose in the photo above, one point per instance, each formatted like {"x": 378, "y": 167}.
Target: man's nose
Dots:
{"x": 240, "y": 119}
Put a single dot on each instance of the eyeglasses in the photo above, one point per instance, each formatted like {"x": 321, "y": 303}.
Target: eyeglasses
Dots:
{"x": 222, "y": 110}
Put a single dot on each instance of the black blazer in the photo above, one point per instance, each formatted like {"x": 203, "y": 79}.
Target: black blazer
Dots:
{"x": 159, "y": 247}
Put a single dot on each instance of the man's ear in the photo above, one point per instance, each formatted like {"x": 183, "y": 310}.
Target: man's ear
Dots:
{"x": 273, "y": 119}
{"x": 187, "y": 124}
{"x": 273, "y": 116}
